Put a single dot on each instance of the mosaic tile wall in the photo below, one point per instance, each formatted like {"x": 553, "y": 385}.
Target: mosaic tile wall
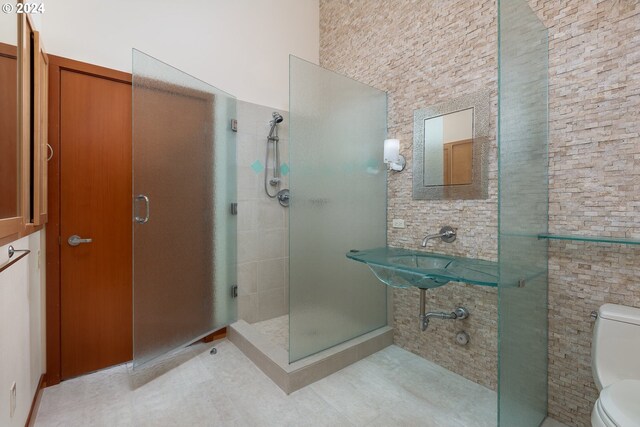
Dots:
{"x": 263, "y": 237}
{"x": 424, "y": 52}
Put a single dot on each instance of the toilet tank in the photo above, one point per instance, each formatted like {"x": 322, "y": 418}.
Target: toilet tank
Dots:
{"x": 615, "y": 351}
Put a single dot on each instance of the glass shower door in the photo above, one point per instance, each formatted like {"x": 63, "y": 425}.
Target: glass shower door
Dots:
{"x": 184, "y": 246}
{"x": 523, "y": 214}
{"x": 338, "y": 203}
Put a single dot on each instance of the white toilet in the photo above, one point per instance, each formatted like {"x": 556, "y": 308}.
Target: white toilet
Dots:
{"x": 615, "y": 360}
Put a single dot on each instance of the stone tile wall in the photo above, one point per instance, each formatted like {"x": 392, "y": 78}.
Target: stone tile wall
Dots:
{"x": 594, "y": 187}
{"x": 423, "y": 52}
{"x": 405, "y": 48}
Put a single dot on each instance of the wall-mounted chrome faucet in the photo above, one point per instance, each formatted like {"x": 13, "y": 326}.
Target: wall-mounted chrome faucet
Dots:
{"x": 447, "y": 234}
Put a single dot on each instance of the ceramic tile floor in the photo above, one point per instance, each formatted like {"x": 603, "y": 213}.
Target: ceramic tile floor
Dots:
{"x": 276, "y": 330}
{"x": 390, "y": 388}
{"x": 550, "y": 422}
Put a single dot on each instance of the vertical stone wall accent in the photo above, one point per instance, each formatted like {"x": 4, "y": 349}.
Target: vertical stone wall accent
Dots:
{"x": 594, "y": 187}
{"x": 424, "y": 52}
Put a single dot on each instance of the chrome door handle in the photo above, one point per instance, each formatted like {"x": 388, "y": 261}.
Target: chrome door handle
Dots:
{"x": 75, "y": 240}
{"x": 145, "y": 219}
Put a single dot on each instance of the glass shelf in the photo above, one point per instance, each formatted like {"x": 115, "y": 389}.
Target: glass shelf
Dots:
{"x": 595, "y": 239}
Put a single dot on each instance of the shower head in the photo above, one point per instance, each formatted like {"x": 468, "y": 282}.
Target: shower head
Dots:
{"x": 277, "y": 117}
{"x": 273, "y": 132}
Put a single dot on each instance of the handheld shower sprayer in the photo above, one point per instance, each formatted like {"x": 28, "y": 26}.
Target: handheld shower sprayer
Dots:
{"x": 277, "y": 119}
{"x": 275, "y": 179}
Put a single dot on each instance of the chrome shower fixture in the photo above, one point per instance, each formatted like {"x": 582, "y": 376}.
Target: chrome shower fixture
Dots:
{"x": 277, "y": 117}
{"x": 274, "y": 181}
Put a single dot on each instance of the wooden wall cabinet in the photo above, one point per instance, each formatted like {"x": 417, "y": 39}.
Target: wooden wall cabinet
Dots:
{"x": 24, "y": 132}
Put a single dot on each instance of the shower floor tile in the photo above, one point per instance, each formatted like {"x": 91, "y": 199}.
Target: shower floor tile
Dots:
{"x": 390, "y": 388}
{"x": 276, "y": 330}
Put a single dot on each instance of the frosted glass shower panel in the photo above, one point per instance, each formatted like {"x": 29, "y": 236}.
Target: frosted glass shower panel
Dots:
{"x": 183, "y": 186}
{"x": 338, "y": 203}
{"x": 523, "y": 215}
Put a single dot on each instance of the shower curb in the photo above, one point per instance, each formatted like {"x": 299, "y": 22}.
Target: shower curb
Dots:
{"x": 274, "y": 360}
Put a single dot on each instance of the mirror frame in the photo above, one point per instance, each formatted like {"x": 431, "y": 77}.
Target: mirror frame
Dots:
{"x": 478, "y": 189}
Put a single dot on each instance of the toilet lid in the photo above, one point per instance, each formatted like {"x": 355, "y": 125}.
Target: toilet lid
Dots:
{"x": 621, "y": 402}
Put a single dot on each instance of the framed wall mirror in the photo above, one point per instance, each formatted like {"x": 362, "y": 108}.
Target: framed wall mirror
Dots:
{"x": 450, "y": 145}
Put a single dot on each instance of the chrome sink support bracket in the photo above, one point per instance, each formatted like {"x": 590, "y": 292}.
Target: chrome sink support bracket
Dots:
{"x": 457, "y": 313}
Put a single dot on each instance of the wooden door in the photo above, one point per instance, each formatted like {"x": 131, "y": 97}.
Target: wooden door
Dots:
{"x": 446, "y": 169}
{"x": 461, "y": 162}
{"x": 458, "y": 162}
{"x": 95, "y": 203}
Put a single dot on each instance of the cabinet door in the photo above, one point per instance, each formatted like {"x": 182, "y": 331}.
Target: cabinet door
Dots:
{"x": 26, "y": 34}
{"x": 41, "y": 151}
{"x": 10, "y": 168}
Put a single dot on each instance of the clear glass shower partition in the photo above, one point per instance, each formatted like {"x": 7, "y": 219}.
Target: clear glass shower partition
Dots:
{"x": 523, "y": 214}
{"x": 184, "y": 250}
{"x": 338, "y": 203}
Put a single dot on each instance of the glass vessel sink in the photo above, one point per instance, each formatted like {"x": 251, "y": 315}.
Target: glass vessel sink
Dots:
{"x": 402, "y": 268}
